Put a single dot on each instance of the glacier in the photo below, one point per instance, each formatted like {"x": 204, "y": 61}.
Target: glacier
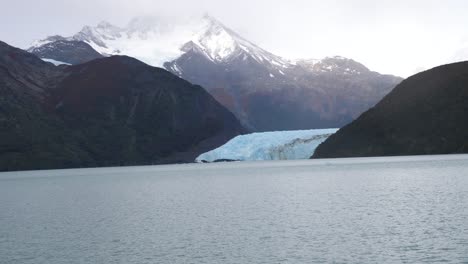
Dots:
{"x": 277, "y": 145}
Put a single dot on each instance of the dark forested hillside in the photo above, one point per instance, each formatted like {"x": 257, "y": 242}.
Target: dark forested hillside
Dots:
{"x": 425, "y": 114}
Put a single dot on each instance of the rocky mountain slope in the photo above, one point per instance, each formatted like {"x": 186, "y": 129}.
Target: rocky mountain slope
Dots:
{"x": 426, "y": 114}
{"x": 299, "y": 96}
{"x": 107, "y": 112}
{"x": 265, "y": 91}
{"x": 68, "y": 51}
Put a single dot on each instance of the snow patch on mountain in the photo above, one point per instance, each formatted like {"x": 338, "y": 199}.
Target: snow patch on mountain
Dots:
{"x": 279, "y": 145}
{"x": 55, "y": 62}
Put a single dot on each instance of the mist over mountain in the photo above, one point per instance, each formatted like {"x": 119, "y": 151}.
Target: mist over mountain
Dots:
{"x": 265, "y": 91}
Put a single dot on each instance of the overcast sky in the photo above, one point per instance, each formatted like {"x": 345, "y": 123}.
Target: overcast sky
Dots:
{"x": 396, "y": 37}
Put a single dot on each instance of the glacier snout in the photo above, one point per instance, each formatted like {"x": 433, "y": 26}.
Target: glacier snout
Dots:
{"x": 279, "y": 145}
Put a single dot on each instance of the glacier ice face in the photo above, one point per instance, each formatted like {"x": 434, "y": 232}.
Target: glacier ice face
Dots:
{"x": 279, "y": 145}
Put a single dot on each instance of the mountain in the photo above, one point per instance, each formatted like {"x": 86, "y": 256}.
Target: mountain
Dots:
{"x": 426, "y": 114}
{"x": 265, "y": 91}
{"x": 69, "y": 51}
{"x": 107, "y": 112}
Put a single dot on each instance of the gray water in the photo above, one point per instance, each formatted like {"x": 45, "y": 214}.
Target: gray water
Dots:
{"x": 384, "y": 210}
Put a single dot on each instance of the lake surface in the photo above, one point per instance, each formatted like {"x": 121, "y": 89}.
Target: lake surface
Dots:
{"x": 380, "y": 210}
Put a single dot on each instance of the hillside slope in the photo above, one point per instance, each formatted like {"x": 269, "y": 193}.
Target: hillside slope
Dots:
{"x": 110, "y": 111}
{"x": 425, "y": 114}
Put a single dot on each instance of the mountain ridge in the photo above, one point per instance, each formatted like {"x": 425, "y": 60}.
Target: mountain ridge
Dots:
{"x": 250, "y": 81}
{"x": 110, "y": 111}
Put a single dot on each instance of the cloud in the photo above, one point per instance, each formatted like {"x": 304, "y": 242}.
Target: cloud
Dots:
{"x": 388, "y": 36}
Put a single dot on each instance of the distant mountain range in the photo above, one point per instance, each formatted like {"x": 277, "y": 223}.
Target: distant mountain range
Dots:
{"x": 426, "y": 114}
{"x": 266, "y": 92}
{"x": 107, "y": 112}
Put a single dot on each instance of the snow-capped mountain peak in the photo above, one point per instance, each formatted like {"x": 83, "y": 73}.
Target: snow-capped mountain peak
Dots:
{"x": 99, "y": 35}
{"x": 160, "y": 40}
{"x": 222, "y": 44}
{"x": 156, "y": 40}
{"x": 41, "y": 42}
{"x": 213, "y": 39}
{"x": 335, "y": 64}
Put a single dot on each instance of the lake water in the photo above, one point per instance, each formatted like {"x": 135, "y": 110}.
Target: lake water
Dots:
{"x": 381, "y": 210}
